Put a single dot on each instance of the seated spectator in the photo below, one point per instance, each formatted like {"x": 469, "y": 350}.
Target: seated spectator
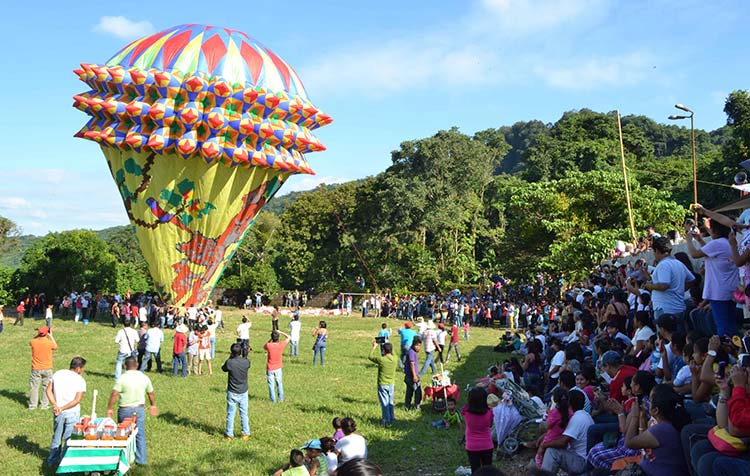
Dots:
{"x": 568, "y": 452}
{"x": 663, "y": 451}
{"x": 351, "y": 445}
{"x": 359, "y": 467}
{"x": 557, "y": 422}
{"x": 295, "y": 466}
{"x": 612, "y": 364}
{"x": 728, "y": 443}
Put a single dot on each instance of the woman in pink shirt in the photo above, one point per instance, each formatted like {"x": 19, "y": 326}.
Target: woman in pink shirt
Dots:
{"x": 478, "y": 419}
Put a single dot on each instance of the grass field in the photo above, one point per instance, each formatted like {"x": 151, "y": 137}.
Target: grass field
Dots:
{"x": 186, "y": 437}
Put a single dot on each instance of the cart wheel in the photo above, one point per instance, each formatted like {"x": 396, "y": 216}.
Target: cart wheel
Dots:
{"x": 528, "y": 431}
{"x": 510, "y": 445}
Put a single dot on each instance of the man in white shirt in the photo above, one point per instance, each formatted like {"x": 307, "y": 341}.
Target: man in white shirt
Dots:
{"x": 557, "y": 362}
{"x": 568, "y": 452}
{"x": 154, "y": 338}
{"x": 65, "y": 392}
{"x": 243, "y": 335}
{"x": 294, "y": 328}
{"x": 127, "y": 340}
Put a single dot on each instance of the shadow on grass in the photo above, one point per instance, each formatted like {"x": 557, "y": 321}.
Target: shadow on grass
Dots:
{"x": 24, "y": 445}
{"x": 209, "y": 463}
{"x": 175, "y": 419}
{"x": 19, "y": 397}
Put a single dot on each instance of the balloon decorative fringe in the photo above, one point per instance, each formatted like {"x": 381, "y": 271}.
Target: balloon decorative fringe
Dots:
{"x": 220, "y": 96}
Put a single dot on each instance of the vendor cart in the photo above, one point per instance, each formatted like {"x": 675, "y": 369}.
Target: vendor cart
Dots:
{"x": 111, "y": 457}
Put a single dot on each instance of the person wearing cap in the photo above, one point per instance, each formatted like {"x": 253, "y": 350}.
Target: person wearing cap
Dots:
{"x": 65, "y": 392}
{"x": 315, "y": 461}
{"x": 131, "y": 390}
{"x": 407, "y": 337}
{"x": 612, "y": 364}
{"x": 179, "y": 346}
{"x": 42, "y": 348}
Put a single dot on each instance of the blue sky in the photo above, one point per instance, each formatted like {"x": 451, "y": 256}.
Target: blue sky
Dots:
{"x": 385, "y": 71}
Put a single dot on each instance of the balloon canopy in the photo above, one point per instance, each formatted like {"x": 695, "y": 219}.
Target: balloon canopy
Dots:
{"x": 200, "y": 126}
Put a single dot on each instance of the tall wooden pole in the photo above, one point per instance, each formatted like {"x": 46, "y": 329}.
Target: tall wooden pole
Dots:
{"x": 627, "y": 185}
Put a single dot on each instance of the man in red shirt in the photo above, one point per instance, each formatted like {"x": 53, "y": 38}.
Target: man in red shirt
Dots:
{"x": 612, "y": 364}
{"x": 42, "y": 347}
{"x": 178, "y": 350}
{"x": 454, "y": 343}
{"x": 275, "y": 349}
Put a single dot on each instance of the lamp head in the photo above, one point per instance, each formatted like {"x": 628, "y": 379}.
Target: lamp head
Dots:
{"x": 675, "y": 118}
{"x": 683, "y": 107}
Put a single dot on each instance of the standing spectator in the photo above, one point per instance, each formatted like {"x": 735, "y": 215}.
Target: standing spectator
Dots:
{"x": 131, "y": 389}
{"x": 258, "y": 299}
{"x": 407, "y": 337}
{"x": 352, "y": 445}
{"x": 386, "y": 377}
{"x": 455, "y": 338}
{"x": 441, "y": 335}
{"x": 65, "y": 392}
{"x": 192, "y": 353}
{"x": 127, "y": 341}
{"x": 42, "y": 347}
{"x": 236, "y": 367}
{"x": 20, "y": 310}
{"x": 429, "y": 339}
{"x": 568, "y": 452}
{"x": 411, "y": 375}
{"x": 204, "y": 349}
{"x": 178, "y": 350}
{"x": 48, "y": 316}
{"x": 721, "y": 277}
{"x": 275, "y": 318}
{"x": 243, "y": 335}
{"x": 211, "y": 327}
{"x": 2, "y": 318}
{"x": 154, "y": 338}
{"x": 294, "y": 329}
{"x": 275, "y": 349}
{"x": 321, "y": 340}
{"x": 667, "y": 284}
{"x": 478, "y": 421}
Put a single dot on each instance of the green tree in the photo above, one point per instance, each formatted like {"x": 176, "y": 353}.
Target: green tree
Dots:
{"x": 70, "y": 260}
{"x": 9, "y": 233}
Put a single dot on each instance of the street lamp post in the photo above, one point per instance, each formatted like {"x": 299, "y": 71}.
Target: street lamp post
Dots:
{"x": 692, "y": 141}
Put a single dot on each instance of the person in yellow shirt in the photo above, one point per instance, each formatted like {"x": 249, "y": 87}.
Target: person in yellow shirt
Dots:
{"x": 131, "y": 390}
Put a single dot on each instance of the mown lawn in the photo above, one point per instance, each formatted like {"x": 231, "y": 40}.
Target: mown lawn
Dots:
{"x": 186, "y": 437}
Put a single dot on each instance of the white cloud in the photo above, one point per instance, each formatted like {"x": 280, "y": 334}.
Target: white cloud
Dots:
{"x": 13, "y": 203}
{"x": 491, "y": 44}
{"x": 596, "y": 72}
{"x": 308, "y": 182}
{"x": 123, "y": 27}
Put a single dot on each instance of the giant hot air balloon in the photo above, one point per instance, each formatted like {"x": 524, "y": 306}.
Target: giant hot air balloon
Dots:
{"x": 200, "y": 127}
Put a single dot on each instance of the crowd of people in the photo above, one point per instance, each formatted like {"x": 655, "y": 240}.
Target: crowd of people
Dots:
{"x": 641, "y": 369}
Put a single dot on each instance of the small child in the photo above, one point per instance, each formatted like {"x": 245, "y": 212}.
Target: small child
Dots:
{"x": 338, "y": 432}
{"x": 451, "y": 417}
{"x": 466, "y": 330}
{"x": 295, "y": 467}
{"x": 557, "y": 420}
{"x": 627, "y": 394}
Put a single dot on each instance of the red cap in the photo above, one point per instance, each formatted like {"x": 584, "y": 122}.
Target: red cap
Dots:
{"x": 441, "y": 326}
{"x": 407, "y": 324}
{"x": 43, "y": 331}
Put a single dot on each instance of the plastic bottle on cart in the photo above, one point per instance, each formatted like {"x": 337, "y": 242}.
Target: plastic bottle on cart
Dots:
{"x": 77, "y": 432}
{"x": 122, "y": 432}
{"x": 108, "y": 433}
{"x": 91, "y": 433}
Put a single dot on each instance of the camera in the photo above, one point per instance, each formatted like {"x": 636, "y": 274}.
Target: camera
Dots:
{"x": 380, "y": 340}
{"x": 722, "y": 369}
{"x": 744, "y": 360}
